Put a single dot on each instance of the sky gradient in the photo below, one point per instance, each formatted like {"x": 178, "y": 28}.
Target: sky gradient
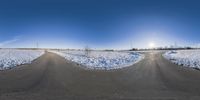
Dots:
{"x": 101, "y": 24}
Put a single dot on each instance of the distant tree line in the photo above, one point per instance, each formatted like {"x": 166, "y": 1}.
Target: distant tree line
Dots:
{"x": 164, "y": 48}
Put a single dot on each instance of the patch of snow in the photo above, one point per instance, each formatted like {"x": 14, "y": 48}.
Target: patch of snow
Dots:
{"x": 104, "y": 60}
{"x": 12, "y": 57}
{"x": 189, "y": 58}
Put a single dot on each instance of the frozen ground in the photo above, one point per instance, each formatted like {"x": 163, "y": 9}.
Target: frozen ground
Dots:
{"x": 105, "y": 60}
{"x": 189, "y": 58}
{"x": 12, "y": 57}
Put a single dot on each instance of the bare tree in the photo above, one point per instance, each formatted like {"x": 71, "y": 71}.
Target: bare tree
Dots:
{"x": 87, "y": 51}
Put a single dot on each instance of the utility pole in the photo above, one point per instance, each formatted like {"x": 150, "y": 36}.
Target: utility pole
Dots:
{"x": 37, "y": 45}
{"x": 131, "y": 45}
{"x": 175, "y": 45}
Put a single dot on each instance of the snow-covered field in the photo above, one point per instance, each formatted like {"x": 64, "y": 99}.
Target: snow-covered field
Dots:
{"x": 12, "y": 57}
{"x": 104, "y": 60}
{"x": 188, "y": 58}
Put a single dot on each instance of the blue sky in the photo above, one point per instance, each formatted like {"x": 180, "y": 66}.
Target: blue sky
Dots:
{"x": 118, "y": 24}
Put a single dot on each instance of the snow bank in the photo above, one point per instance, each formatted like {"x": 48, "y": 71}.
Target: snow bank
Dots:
{"x": 104, "y": 60}
{"x": 189, "y": 58}
{"x": 12, "y": 57}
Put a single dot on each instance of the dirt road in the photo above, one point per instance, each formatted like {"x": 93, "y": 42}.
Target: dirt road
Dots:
{"x": 51, "y": 77}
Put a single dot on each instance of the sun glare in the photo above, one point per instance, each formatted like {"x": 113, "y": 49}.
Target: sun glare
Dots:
{"x": 151, "y": 45}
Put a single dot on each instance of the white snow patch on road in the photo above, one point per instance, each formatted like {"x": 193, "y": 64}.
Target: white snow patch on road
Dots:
{"x": 12, "y": 57}
{"x": 104, "y": 60}
{"x": 188, "y": 58}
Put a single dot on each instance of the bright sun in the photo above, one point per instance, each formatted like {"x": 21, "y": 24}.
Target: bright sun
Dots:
{"x": 151, "y": 44}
